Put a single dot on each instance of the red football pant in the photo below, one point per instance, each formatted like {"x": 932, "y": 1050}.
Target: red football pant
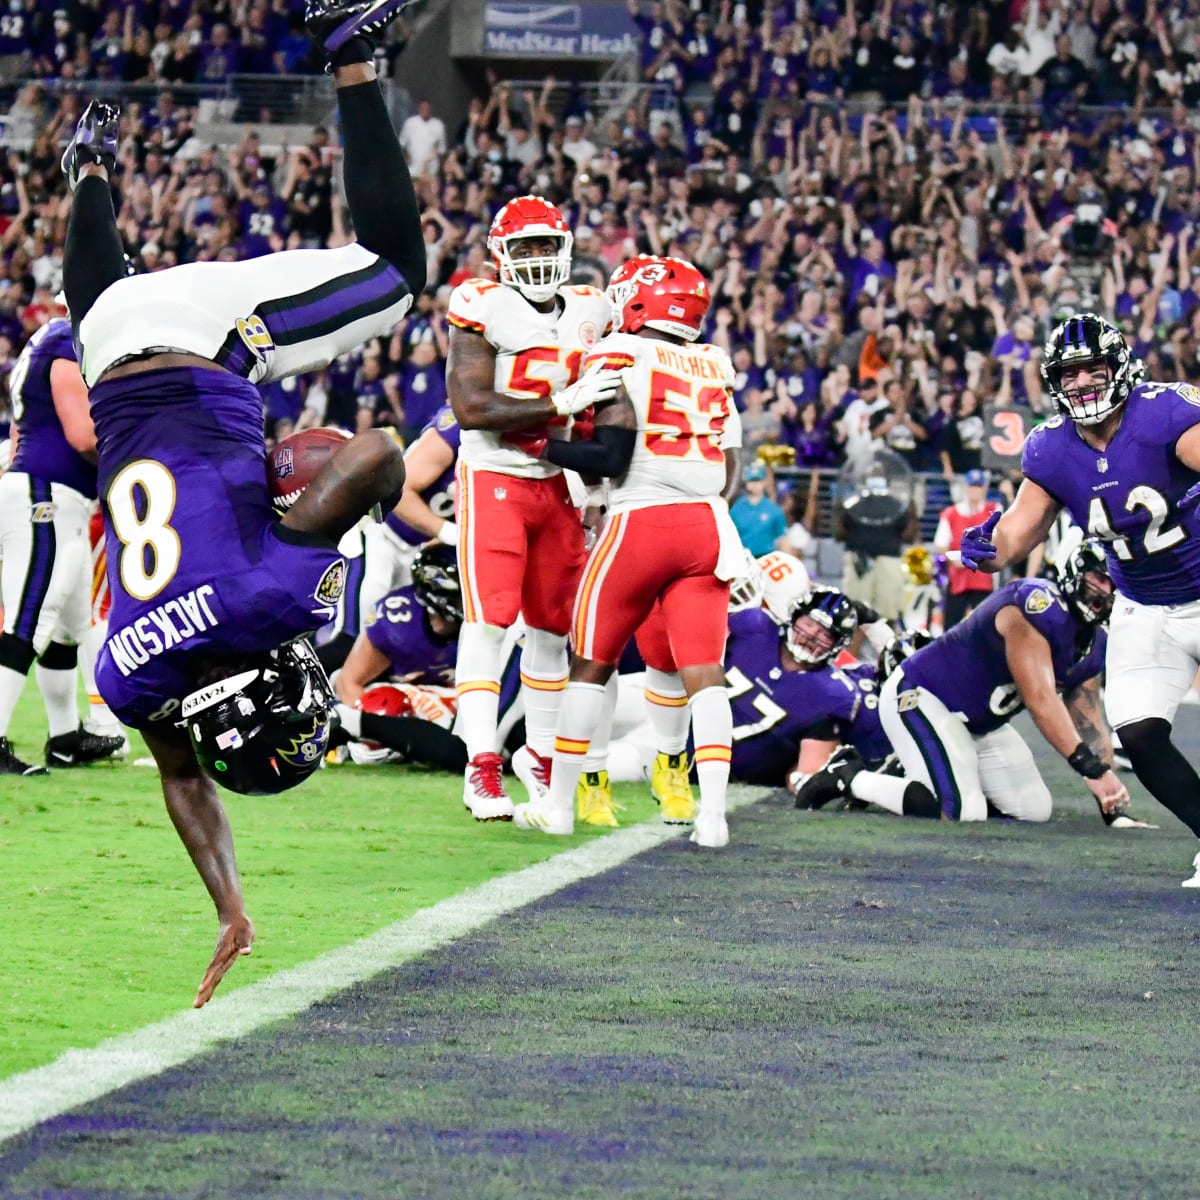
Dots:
{"x": 520, "y": 549}
{"x": 660, "y": 559}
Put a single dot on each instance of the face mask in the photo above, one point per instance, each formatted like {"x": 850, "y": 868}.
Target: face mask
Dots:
{"x": 494, "y": 156}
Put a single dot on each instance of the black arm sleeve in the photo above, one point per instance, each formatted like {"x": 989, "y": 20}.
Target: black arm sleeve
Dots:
{"x": 418, "y": 741}
{"x": 608, "y": 454}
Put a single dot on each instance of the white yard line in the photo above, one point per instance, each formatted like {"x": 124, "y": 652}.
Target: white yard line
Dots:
{"x": 79, "y": 1076}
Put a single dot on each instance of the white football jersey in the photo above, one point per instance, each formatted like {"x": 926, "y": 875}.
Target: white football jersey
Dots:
{"x": 683, "y": 397}
{"x": 537, "y": 354}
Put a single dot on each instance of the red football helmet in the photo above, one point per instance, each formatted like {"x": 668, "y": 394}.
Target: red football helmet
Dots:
{"x": 537, "y": 278}
{"x": 385, "y": 700}
{"x": 620, "y": 286}
{"x": 667, "y": 294}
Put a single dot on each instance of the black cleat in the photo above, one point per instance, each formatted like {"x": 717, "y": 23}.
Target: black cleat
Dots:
{"x": 10, "y": 764}
{"x": 96, "y": 140}
{"x": 832, "y": 781}
{"x": 332, "y": 23}
{"x": 78, "y": 748}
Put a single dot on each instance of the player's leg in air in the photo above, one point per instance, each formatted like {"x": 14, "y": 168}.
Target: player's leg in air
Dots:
{"x": 171, "y": 360}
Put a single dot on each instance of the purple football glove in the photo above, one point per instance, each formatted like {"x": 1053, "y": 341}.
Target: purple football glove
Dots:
{"x": 977, "y": 547}
{"x": 1190, "y": 498}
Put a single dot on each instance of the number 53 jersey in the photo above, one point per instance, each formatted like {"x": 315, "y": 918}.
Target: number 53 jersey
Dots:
{"x": 682, "y": 395}
{"x": 199, "y": 568}
{"x": 1128, "y": 494}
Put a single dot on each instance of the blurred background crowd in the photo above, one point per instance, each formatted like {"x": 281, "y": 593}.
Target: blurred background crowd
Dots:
{"x": 894, "y": 202}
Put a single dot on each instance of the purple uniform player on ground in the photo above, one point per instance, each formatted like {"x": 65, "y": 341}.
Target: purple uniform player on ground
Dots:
{"x": 426, "y": 510}
{"x": 209, "y": 591}
{"x": 790, "y": 708}
{"x": 947, "y": 708}
{"x": 1123, "y": 459}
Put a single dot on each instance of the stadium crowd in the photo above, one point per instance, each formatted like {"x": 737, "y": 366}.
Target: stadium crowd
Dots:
{"x": 891, "y": 210}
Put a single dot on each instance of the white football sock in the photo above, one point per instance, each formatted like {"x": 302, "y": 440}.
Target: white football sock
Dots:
{"x": 885, "y": 790}
{"x": 100, "y": 718}
{"x": 12, "y": 683}
{"x": 58, "y": 695}
{"x": 597, "y": 755}
{"x": 477, "y": 675}
{"x": 712, "y": 731}
{"x": 667, "y": 704}
{"x": 543, "y": 678}
{"x": 581, "y": 706}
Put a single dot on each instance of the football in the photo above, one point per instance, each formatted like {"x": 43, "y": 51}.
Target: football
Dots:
{"x": 294, "y": 463}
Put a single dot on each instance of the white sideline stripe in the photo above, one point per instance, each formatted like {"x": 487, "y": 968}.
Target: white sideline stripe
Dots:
{"x": 78, "y": 1076}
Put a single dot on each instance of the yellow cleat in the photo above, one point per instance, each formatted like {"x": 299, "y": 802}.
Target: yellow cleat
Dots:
{"x": 671, "y": 789}
{"x": 593, "y": 800}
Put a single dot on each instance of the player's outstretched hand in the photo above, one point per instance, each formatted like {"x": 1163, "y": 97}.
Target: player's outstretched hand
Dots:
{"x": 235, "y": 939}
{"x": 596, "y": 386}
{"x": 1190, "y": 498}
{"x": 977, "y": 547}
{"x": 1110, "y": 794}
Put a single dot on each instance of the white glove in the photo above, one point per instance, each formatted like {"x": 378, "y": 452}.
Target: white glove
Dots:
{"x": 595, "y": 387}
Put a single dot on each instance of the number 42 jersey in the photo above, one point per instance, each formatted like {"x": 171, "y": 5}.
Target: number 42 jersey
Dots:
{"x": 1128, "y": 493}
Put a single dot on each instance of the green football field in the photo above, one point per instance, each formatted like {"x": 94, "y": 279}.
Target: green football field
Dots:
{"x": 837, "y": 1005}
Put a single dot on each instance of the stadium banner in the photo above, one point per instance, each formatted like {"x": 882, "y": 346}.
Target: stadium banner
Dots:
{"x": 1005, "y": 430}
{"x": 533, "y": 30}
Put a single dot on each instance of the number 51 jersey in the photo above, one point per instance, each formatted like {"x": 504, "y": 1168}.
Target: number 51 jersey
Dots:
{"x": 1127, "y": 494}
{"x": 537, "y": 354}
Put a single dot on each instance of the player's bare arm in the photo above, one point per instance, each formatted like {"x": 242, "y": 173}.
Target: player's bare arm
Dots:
{"x": 1087, "y": 714}
{"x": 470, "y": 374}
{"x": 364, "y": 664}
{"x": 367, "y": 470}
{"x": 70, "y": 396}
{"x": 733, "y": 476}
{"x": 426, "y": 461}
{"x": 1029, "y": 660}
{"x": 1022, "y": 527}
{"x": 199, "y": 819}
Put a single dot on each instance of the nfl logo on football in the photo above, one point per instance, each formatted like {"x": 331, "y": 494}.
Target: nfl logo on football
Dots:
{"x": 283, "y": 463}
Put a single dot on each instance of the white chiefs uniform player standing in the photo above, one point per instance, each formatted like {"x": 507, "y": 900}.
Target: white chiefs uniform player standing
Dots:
{"x": 517, "y": 349}
{"x": 665, "y": 556}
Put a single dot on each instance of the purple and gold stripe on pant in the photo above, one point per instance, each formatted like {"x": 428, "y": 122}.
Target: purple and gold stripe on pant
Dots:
{"x": 937, "y": 761}
{"x": 317, "y": 312}
{"x": 41, "y": 565}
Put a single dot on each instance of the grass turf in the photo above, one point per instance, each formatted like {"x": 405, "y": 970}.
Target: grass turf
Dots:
{"x": 108, "y": 927}
{"x": 835, "y": 1006}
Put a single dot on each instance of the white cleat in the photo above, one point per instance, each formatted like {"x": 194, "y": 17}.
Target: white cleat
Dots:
{"x": 534, "y": 772}
{"x": 1195, "y": 879}
{"x": 483, "y": 789}
{"x": 543, "y": 818}
{"x": 712, "y": 832}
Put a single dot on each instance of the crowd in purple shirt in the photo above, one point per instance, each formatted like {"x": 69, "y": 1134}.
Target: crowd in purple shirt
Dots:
{"x": 893, "y": 202}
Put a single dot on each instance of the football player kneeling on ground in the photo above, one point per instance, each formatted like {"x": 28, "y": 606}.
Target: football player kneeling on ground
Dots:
{"x": 410, "y": 641}
{"x": 947, "y": 708}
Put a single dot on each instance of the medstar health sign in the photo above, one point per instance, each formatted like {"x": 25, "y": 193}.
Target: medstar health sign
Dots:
{"x": 558, "y": 30}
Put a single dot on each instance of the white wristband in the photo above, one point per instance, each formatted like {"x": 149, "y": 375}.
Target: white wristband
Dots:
{"x": 448, "y": 534}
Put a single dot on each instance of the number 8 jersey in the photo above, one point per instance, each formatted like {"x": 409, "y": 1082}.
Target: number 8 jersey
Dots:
{"x": 685, "y": 415}
{"x": 1127, "y": 493}
{"x": 537, "y": 354}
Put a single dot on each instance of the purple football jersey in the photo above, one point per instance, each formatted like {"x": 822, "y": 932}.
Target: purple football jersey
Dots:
{"x": 43, "y": 451}
{"x": 773, "y": 708}
{"x": 1127, "y": 494}
{"x": 397, "y": 627}
{"x": 967, "y": 668}
{"x": 439, "y": 495}
{"x": 199, "y": 566}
